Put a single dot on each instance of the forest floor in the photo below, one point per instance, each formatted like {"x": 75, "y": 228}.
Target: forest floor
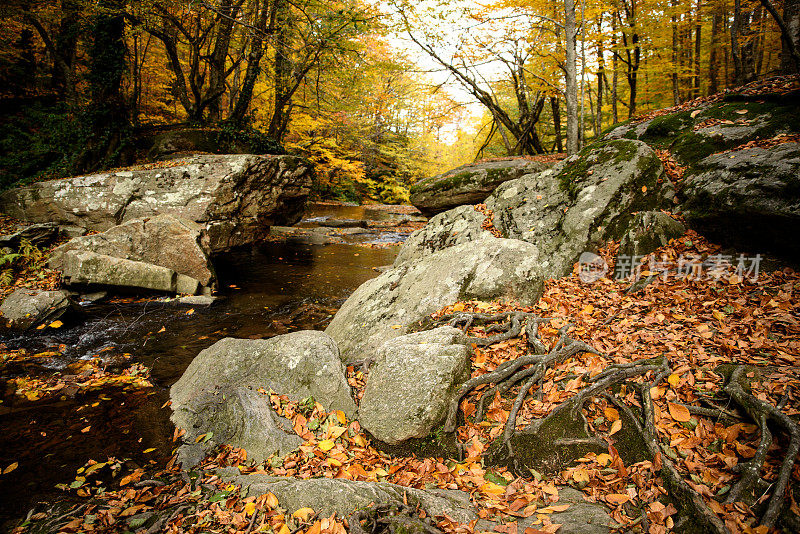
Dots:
{"x": 697, "y": 322}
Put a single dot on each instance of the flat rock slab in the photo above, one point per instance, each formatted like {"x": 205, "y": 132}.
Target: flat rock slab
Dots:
{"x": 344, "y": 497}
{"x": 468, "y": 184}
{"x": 234, "y": 197}
{"x": 163, "y": 240}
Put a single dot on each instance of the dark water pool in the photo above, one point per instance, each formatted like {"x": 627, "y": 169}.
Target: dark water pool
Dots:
{"x": 269, "y": 290}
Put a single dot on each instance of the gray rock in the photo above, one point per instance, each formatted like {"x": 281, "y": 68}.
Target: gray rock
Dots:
{"x": 198, "y": 300}
{"x": 300, "y": 364}
{"x": 326, "y": 496}
{"x": 26, "y": 308}
{"x": 412, "y": 382}
{"x": 382, "y": 308}
{"x": 237, "y": 416}
{"x": 468, "y": 184}
{"x": 163, "y": 240}
{"x": 747, "y": 198}
{"x": 71, "y": 232}
{"x": 82, "y": 267}
{"x": 648, "y": 231}
{"x": 40, "y": 235}
{"x": 234, "y": 197}
{"x": 582, "y": 202}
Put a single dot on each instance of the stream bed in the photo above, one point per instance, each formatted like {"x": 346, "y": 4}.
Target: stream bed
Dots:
{"x": 276, "y": 287}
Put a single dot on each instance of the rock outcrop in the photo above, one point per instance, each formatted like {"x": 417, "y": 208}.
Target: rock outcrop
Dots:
{"x": 468, "y": 184}
{"x": 234, "y": 197}
{"x": 161, "y": 241}
{"x": 383, "y": 308}
{"x": 648, "y": 231}
{"x": 26, "y": 308}
{"x": 411, "y": 383}
{"x": 747, "y": 198}
{"x": 217, "y": 389}
{"x": 578, "y": 205}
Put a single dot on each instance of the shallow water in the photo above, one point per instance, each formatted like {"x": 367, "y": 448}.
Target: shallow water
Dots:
{"x": 274, "y": 288}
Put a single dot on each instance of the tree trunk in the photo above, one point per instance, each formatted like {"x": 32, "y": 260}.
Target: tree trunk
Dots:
{"x": 282, "y": 73}
{"x": 217, "y": 60}
{"x": 614, "y": 74}
{"x": 698, "y": 26}
{"x": 571, "y": 77}
{"x": 557, "y": 122}
{"x": 676, "y": 95}
{"x": 790, "y": 61}
{"x": 245, "y": 95}
{"x": 600, "y": 77}
{"x": 713, "y": 59}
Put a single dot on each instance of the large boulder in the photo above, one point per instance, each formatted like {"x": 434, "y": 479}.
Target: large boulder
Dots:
{"x": 237, "y": 416}
{"x": 691, "y": 135}
{"x": 468, "y": 184}
{"x": 301, "y": 365}
{"x": 383, "y": 308}
{"x": 163, "y": 240}
{"x": 648, "y": 231}
{"x": 234, "y": 197}
{"x": 26, "y": 308}
{"x": 412, "y": 382}
{"x": 40, "y": 235}
{"x": 582, "y": 202}
{"x": 747, "y": 198}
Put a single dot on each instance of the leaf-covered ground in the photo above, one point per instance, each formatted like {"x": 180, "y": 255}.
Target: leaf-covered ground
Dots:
{"x": 697, "y": 322}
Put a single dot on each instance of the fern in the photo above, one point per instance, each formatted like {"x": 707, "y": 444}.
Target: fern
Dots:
{"x": 6, "y": 277}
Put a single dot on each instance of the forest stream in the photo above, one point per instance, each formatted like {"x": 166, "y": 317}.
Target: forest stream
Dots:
{"x": 271, "y": 289}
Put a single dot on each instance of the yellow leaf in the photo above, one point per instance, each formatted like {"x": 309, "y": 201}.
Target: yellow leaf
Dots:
{"x": 250, "y": 508}
{"x": 554, "y": 508}
{"x": 644, "y": 189}
{"x": 360, "y": 441}
{"x": 611, "y": 414}
{"x": 190, "y": 312}
{"x": 617, "y": 498}
{"x": 492, "y": 489}
{"x": 336, "y": 431}
{"x": 56, "y": 324}
{"x": 147, "y": 451}
{"x": 326, "y": 445}
{"x": 588, "y": 309}
{"x": 678, "y": 412}
{"x": 580, "y": 475}
{"x": 459, "y": 307}
{"x": 41, "y": 327}
{"x": 303, "y": 514}
{"x": 340, "y": 416}
{"x": 10, "y": 468}
{"x": 673, "y": 380}
{"x": 604, "y": 459}
{"x": 615, "y": 427}
{"x": 396, "y": 326}
{"x": 272, "y": 500}
{"x": 316, "y": 528}
{"x": 550, "y": 489}
{"x": 283, "y": 529}
{"x": 718, "y": 315}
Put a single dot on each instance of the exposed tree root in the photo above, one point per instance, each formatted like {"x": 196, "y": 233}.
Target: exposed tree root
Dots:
{"x": 390, "y": 518}
{"x": 529, "y": 370}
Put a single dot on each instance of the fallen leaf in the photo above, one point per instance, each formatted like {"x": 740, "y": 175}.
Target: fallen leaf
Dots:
{"x": 10, "y": 468}
{"x": 678, "y": 412}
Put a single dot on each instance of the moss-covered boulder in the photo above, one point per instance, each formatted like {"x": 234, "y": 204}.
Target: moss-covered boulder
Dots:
{"x": 747, "y": 198}
{"x": 468, "y": 184}
{"x": 692, "y": 135}
{"x": 582, "y": 202}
